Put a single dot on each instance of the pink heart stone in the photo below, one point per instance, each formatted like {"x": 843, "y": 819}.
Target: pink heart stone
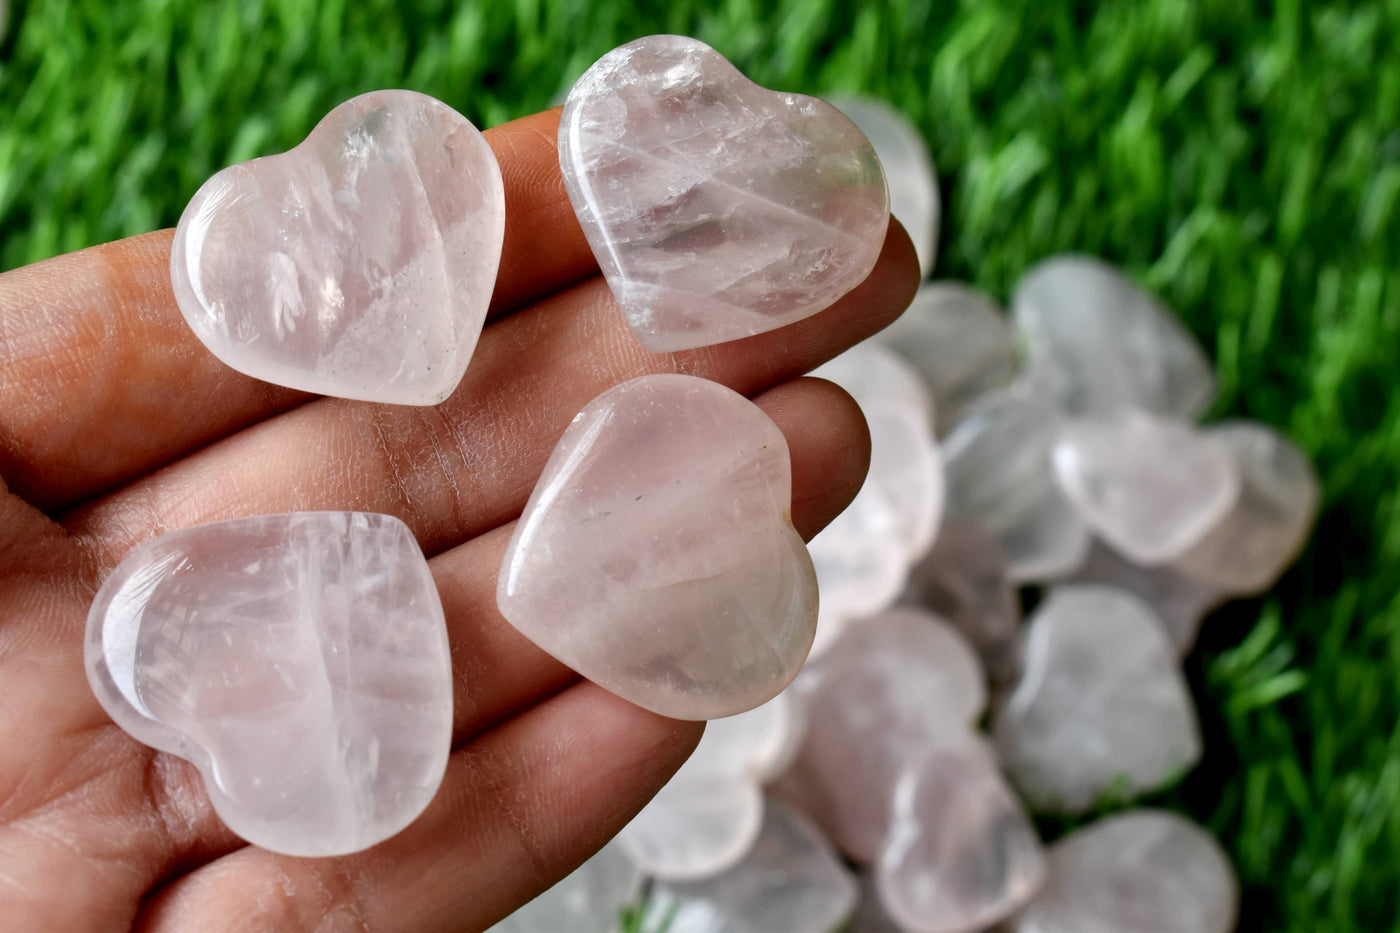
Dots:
{"x": 358, "y": 264}
{"x": 717, "y": 209}
{"x": 657, "y": 556}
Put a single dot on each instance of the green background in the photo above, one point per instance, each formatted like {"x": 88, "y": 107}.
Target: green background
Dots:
{"x": 1241, "y": 160}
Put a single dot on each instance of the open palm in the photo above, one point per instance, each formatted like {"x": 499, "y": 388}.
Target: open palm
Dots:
{"x": 116, "y": 425}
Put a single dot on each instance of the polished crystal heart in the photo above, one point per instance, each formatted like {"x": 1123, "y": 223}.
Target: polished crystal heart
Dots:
{"x": 299, "y": 661}
{"x": 1102, "y": 707}
{"x": 1141, "y": 870}
{"x": 657, "y": 556}
{"x": 717, "y": 209}
{"x": 358, "y": 264}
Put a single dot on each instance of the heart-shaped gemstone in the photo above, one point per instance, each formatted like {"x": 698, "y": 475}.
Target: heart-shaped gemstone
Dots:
{"x": 657, "y": 556}
{"x": 717, "y": 209}
{"x": 300, "y": 661}
{"x": 358, "y": 264}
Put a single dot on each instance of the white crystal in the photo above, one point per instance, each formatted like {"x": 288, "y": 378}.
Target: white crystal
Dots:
{"x": 717, "y": 209}
{"x": 299, "y": 661}
{"x": 707, "y": 816}
{"x": 998, "y": 472}
{"x": 1098, "y": 342}
{"x": 1255, "y": 542}
{"x": 914, "y": 198}
{"x": 589, "y": 900}
{"x": 359, "y": 264}
{"x": 1177, "y": 600}
{"x": 656, "y": 555}
{"x": 889, "y": 689}
{"x": 961, "y": 853}
{"x": 959, "y": 341}
{"x": 1150, "y": 487}
{"x": 877, "y": 377}
{"x": 790, "y": 882}
{"x": 964, "y": 581}
{"x": 1101, "y": 709}
{"x": 1143, "y": 871}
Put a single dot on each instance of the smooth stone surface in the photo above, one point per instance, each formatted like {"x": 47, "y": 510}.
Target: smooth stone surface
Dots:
{"x": 1098, "y": 342}
{"x": 299, "y": 661}
{"x": 656, "y": 555}
{"x": 861, "y": 568}
{"x": 707, "y": 816}
{"x": 999, "y": 476}
{"x": 959, "y": 341}
{"x": 1179, "y": 601}
{"x": 962, "y": 853}
{"x": 889, "y": 689}
{"x": 589, "y": 900}
{"x": 1247, "y": 550}
{"x": 914, "y": 198}
{"x": 1150, "y": 487}
{"x": 717, "y": 209}
{"x": 790, "y": 882}
{"x": 358, "y": 264}
{"x": 963, "y": 580}
{"x": 1102, "y": 708}
{"x": 1143, "y": 871}
{"x": 877, "y": 376}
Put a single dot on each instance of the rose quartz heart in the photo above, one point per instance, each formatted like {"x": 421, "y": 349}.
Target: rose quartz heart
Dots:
{"x": 657, "y": 556}
{"x": 358, "y": 264}
{"x": 717, "y": 209}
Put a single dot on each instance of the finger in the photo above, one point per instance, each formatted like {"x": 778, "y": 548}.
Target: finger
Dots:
{"x": 518, "y": 809}
{"x": 458, "y": 470}
{"x": 101, "y": 379}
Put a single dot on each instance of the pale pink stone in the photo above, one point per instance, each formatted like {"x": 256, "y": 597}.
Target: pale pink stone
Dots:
{"x": 790, "y": 882}
{"x": 1150, "y": 487}
{"x": 1256, "y": 541}
{"x": 1101, "y": 708}
{"x": 1179, "y": 601}
{"x": 1142, "y": 871}
{"x": 656, "y": 555}
{"x": 299, "y": 661}
{"x": 961, "y": 853}
{"x": 359, "y": 264}
{"x": 717, "y": 209}
{"x": 964, "y": 581}
{"x": 889, "y": 689}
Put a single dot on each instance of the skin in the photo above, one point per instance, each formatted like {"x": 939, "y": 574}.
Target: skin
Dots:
{"x": 116, "y": 425}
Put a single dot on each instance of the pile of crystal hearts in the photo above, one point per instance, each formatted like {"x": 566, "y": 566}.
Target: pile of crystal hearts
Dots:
{"x": 1052, "y": 453}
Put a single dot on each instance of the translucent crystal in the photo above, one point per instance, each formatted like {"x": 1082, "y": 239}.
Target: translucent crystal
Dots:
{"x": 997, "y": 465}
{"x": 964, "y": 581}
{"x": 359, "y": 264}
{"x": 1150, "y": 487}
{"x": 790, "y": 882}
{"x": 959, "y": 341}
{"x": 656, "y": 555}
{"x": 299, "y": 661}
{"x": 914, "y": 197}
{"x": 961, "y": 853}
{"x": 1102, "y": 708}
{"x": 1143, "y": 870}
{"x": 890, "y": 688}
{"x": 863, "y": 557}
{"x": 707, "y": 816}
{"x": 589, "y": 900}
{"x": 1098, "y": 342}
{"x": 716, "y": 209}
{"x": 1255, "y": 542}
{"x": 1177, "y": 600}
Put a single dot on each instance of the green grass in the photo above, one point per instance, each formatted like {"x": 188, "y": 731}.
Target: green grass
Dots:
{"x": 1242, "y": 161}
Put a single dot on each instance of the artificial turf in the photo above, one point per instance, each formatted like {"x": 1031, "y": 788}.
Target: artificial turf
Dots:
{"x": 1240, "y": 159}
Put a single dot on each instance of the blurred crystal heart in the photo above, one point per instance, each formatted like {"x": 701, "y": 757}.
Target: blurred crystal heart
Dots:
{"x": 657, "y": 556}
{"x": 299, "y": 661}
{"x": 717, "y": 209}
{"x": 358, "y": 264}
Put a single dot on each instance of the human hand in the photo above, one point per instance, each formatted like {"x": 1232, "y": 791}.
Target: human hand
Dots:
{"x": 116, "y": 425}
